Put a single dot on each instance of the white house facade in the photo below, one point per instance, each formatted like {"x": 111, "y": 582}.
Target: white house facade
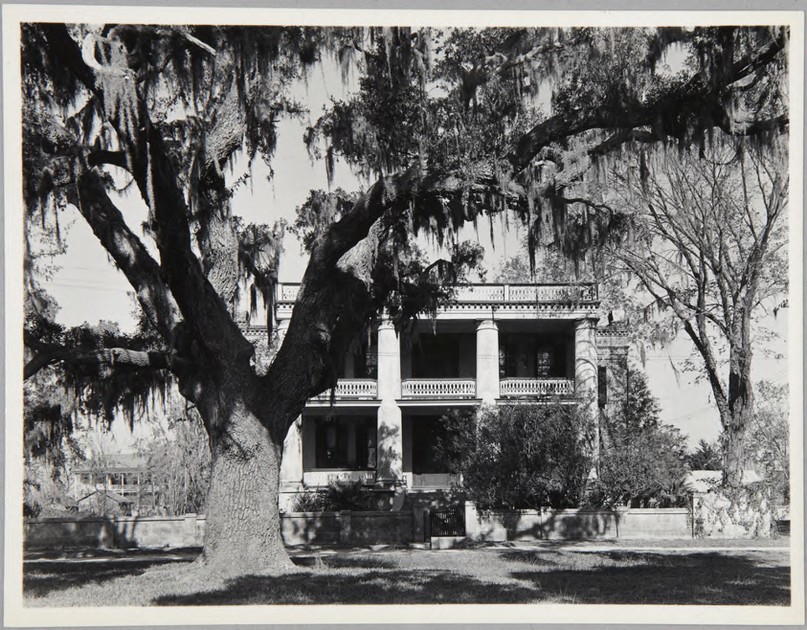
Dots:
{"x": 495, "y": 344}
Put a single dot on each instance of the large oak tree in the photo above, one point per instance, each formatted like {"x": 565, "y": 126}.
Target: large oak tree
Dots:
{"x": 447, "y": 122}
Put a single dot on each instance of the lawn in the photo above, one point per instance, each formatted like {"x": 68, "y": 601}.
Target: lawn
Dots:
{"x": 493, "y": 575}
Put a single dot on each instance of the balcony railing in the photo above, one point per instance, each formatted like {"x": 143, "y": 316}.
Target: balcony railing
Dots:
{"x": 529, "y": 293}
{"x": 535, "y": 387}
{"x": 351, "y": 389}
{"x": 438, "y": 388}
{"x": 505, "y": 293}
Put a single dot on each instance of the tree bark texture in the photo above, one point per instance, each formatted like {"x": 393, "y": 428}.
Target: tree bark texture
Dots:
{"x": 242, "y": 532}
{"x": 740, "y": 398}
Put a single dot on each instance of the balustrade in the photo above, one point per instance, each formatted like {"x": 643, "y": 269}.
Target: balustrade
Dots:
{"x": 481, "y": 293}
{"x": 288, "y": 292}
{"x": 531, "y": 293}
{"x": 516, "y": 387}
{"x": 439, "y": 387}
{"x": 352, "y": 388}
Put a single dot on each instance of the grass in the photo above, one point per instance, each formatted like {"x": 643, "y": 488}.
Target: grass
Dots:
{"x": 551, "y": 574}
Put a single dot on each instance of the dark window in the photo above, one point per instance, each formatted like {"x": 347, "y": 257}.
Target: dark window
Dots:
{"x": 602, "y": 386}
{"x": 361, "y": 360}
{"x": 427, "y": 456}
{"x": 436, "y": 356}
{"x": 532, "y": 356}
{"x": 346, "y": 442}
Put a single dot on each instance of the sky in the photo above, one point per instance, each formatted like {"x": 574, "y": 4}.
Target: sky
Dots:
{"x": 87, "y": 286}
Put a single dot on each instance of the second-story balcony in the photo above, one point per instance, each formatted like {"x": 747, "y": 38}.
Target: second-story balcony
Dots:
{"x": 351, "y": 389}
{"x": 495, "y": 293}
{"x": 438, "y": 388}
{"x": 536, "y": 387}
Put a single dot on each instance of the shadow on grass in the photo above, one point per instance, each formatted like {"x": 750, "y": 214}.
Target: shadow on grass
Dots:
{"x": 703, "y": 579}
{"x": 41, "y": 579}
{"x": 366, "y": 587}
{"x": 358, "y": 562}
{"x": 503, "y": 576}
{"x": 606, "y": 578}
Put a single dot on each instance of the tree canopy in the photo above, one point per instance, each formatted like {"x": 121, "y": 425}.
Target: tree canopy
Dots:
{"x": 450, "y": 124}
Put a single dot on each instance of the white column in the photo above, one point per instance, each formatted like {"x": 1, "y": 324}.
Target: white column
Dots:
{"x": 282, "y": 327}
{"x": 487, "y": 362}
{"x": 585, "y": 371}
{"x": 390, "y": 430}
{"x": 291, "y": 464}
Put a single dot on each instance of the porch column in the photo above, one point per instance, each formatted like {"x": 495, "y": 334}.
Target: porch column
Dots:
{"x": 389, "y": 457}
{"x": 291, "y": 464}
{"x": 487, "y": 361}
{"x": 282, "y": 328}
{"x": 585, "y": 372}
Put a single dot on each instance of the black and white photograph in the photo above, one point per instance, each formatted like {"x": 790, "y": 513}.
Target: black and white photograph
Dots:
{"x": 402, "y": 316}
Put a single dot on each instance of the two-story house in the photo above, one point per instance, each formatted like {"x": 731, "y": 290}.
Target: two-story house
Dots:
{"x": 496, "y": 344}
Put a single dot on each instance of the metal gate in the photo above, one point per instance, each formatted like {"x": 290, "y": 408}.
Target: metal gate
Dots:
{"x": 447, "y": 522}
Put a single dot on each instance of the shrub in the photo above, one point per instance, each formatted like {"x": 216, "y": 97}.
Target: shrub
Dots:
{"x": 705, "y": 457}
{"x": 353, "y": 496}
{"x": 768, "y": 443}
{"x": 643, "y": 462}
{"x": 338, "y": 496}
{"x": 521, "y": 456}
{"x": 641, "y": 468}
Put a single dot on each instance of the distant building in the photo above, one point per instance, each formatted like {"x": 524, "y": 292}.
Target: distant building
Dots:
{"x": 497, "y": 344}
{"x": 119, "y": 482}
{"x": 106, "y": 502}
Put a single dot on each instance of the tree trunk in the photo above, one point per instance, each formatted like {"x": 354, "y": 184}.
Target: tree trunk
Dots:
{"x": 740, "y": 397}
{"x": 735, "y": 429}
{"x": 242, "y": 533}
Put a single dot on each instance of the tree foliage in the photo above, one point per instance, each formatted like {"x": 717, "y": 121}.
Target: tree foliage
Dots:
{"x": 769, "y": 439}
{"x": 177, "y": 460}
{"x": 708, "y": 244}
{"x": 521, "y": 456}
{"x": 642, "y": 461}
{"x": 450, "y": 124}
{"x": 706, "y": 456}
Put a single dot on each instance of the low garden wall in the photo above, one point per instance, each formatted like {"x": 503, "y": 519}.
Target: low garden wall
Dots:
{"x": 654, "y": 523}
{"x": 527, "y": 525}
{"x": 57, "y": 533}
{"x": 365, "y": 528}
{"x": 297, "y": 528}
{"x": 120, "y": 531}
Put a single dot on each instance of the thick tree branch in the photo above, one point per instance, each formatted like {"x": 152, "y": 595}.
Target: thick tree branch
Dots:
{"x": 50, "y": 354}
{"x": 200, "y": 305}
{"x": 696, "y": 95}
{"x": 128, "y": 252}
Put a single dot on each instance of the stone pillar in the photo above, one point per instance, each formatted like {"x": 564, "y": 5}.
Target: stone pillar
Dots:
{"x": 487, "y": 362}
{"x": 282, "y": 327}
{"x": 390, "y": 430}
{"x": 291, "y": 464}
{"x": 585, "y": 372}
